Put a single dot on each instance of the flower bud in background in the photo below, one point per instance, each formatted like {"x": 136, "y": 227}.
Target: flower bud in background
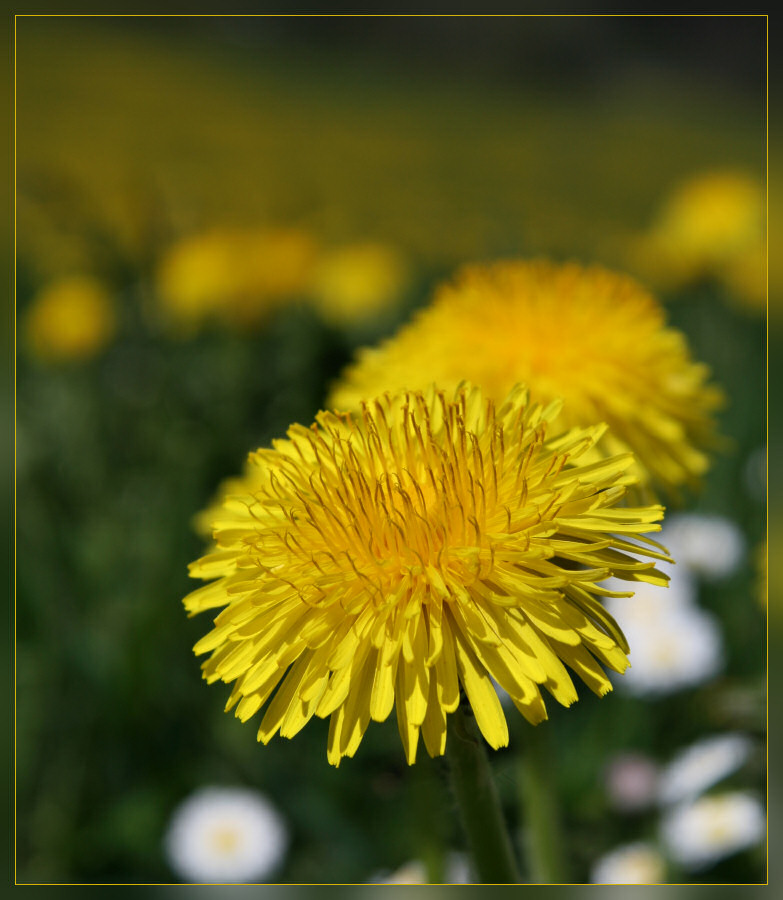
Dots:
{"x": 358, "y": 282}
{"x": 710, "y": 227}
{"x": 231, "y": 275}
{"x": 631, "y": 781}
{"x": 73, "y": 319}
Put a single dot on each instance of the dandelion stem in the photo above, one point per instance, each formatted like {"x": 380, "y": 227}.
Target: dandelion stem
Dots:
{"x": 541, "y": 832}
{"x": 479, "y": 805}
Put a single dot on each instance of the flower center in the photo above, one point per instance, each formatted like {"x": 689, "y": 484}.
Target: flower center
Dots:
{"x": 224, "y": 840}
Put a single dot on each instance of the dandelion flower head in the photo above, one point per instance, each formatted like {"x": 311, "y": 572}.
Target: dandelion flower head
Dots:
{"x": 72, "y": 319}
{"x": 235, "y": 275}
{"x": 358, "y": 282}
{"x": 593, "y": 337}
{"x": 710, "y": 226}
{"x": 390, "y": 559}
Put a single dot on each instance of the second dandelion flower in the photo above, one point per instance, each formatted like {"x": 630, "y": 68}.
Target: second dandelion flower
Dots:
{"x": 595, "y": 338}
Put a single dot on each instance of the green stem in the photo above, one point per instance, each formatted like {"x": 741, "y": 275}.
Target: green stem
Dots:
{"x": 541, "y": 832}
{"x": 429, "y": 825}
{"x": 479, "y": 805}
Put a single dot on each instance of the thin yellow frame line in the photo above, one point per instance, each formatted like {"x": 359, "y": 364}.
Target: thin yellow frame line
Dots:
{"x": 766, "y": 366}
{"x": 393, "y": 16}
{"x": 13, "y": 316}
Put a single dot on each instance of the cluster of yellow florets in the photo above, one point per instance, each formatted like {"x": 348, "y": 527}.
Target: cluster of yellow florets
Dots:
{"x": 421, "y": 547}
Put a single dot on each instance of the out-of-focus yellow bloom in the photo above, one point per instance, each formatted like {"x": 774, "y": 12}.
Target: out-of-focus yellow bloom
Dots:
{"x": 711, "y": 226}
{"x": 235, "y": 275}
{"x": 71, "y": 319}
{"x": 421, "y": 548}
{"x": 358, "y": 281}
{"x": 593, "y": 337}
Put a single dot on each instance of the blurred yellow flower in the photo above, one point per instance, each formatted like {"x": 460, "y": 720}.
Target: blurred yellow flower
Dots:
{"x": 711, "y": 226}
{"x": 420, "y": 548}
{"x": 237, "y": 276}
{"x": 356, "y": 282}
{"x": 593, "y": 337}
{"x": 71, "y": 319}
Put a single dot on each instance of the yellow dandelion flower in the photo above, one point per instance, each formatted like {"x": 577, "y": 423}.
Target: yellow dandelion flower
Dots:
{"x": 710, "y": 226}
{"x": 236, "y": 275}
{"x": 71, "y": 319}
{"x": 426, "y": 546}
{"x": 593, "y": 337}
{"x": 358, "y": 281}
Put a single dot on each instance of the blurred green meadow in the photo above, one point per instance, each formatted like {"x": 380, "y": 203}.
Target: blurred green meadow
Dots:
{"x": 157, "y": 160}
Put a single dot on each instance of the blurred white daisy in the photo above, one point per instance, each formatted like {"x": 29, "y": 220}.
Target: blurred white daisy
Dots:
{"x": 225, "y": 835}
{"x": 413, "y": 872}
{"x": 638, "y": 863}
{"x": 631, "y": 781}
{"x": 673, "y": 645}
{"x": 701, "y": 833}
{"x": 702, "y": 765}
{"x": 710, "y": 546}
{"x": 457, "y": 871}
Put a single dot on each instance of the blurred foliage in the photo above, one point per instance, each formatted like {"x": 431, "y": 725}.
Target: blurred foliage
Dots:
{"x": 131, "y": 139}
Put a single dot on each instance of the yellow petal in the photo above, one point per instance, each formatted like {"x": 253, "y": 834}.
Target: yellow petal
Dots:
{"x": 409, "y": 733}
{"x": 433, "y": 728}
{"x": 482, "y": 696}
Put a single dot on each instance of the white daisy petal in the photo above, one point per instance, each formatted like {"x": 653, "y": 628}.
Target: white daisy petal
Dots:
{"x": 702, "y": 765}
{"x": 710, "y": 546}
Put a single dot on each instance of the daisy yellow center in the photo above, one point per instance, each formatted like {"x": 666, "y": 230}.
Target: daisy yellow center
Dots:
{"x": 224, "y": 840}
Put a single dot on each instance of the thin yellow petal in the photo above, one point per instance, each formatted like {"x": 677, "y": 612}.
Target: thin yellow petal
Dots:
{"x": 482, "y": 696}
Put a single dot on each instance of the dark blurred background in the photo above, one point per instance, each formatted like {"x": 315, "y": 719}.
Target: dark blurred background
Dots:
{"x": 361, "y": 160}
